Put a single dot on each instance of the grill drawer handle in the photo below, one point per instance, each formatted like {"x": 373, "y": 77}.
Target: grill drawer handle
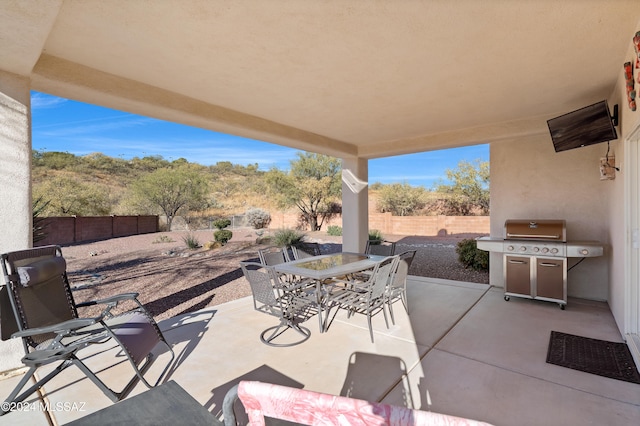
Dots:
{"x": 548, "y": 265}
{"x": 551, "y": 237}
{"x": 518, "y": 262}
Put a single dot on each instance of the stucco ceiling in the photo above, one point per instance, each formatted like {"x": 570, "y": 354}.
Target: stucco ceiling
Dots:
{"x": 345, "y": 77}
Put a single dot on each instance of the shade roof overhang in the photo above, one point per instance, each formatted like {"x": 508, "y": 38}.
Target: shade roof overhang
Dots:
{"x": 349, "y": 79}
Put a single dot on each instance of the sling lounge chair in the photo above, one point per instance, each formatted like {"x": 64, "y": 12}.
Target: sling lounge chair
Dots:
{"x": 37, "y": 305}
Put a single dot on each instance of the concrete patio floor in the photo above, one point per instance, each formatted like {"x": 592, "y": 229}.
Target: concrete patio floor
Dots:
{"x": 462, "y": 351}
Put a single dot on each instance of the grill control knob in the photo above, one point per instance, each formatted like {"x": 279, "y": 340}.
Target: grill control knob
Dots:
{"x": 523, "y": 248}
{"x": 510, "y": 248}
{"x": 545, "y": 250}
{"x": 584, "y": 251}
{"x": 536, "y": 249}
{"x": 554, "y": 250}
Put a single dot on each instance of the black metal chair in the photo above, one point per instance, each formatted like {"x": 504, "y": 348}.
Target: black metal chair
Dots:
{"x": 37, "y": 305}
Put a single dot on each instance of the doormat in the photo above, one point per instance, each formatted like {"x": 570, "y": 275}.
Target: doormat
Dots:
{"x": 608, "y": 359}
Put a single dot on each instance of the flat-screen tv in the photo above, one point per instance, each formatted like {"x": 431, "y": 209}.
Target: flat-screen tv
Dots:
{"x": 586, "y": 126}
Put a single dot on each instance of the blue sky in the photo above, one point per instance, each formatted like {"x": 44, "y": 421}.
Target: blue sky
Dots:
{"x": 69, "y": 126}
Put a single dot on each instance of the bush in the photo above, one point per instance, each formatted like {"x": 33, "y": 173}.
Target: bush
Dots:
{"x": 162, "y": 239}
{"x": 191, "y": 241}
{"x": 287, "y": 237}
{"x": 222, "y": 236}
{"x": 334, "y": 230}
{"x": 375, "y": 236}
{"x": 210, "y": 245}
{"x": 221, "y": 223}
{"x": 472, "y": 257}
{"x": 258, "y": 218}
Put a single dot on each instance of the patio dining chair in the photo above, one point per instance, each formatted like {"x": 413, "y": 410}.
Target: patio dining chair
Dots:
{"x": 382, "y": 248}
{"x": 304, "y": 250}
{"x": 367, "y": 298}
{"x": 291, "y": 304}
{"x": 397, "y": 289}
{"x": 37, "y": 305}
{"x": 272, "y": 256}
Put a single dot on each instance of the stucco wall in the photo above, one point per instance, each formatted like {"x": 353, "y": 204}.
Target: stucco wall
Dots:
{"x": 529, "y": 180}
{"x": 15, "y": 179}
{"x": 402, "y": 225}
{"x": 619, "y": 234}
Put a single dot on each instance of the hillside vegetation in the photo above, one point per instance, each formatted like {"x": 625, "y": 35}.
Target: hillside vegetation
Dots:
{"x": 65, "y": 184}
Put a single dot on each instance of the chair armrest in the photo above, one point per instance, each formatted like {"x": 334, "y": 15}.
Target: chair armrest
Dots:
{"x": 113, "y": 299}
{"x": 65, "y": 326}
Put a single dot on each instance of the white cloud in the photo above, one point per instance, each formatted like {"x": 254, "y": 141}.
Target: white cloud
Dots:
{"x": 41, "y": 101}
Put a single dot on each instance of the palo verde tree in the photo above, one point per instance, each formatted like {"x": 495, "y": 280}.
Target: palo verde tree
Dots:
{"x": 313, "y": 185}
{"x": 171, "y": 190}
{"x": 469, "y": 190}
{"x": 66, "y": 196}
{"x": 401, "y": 199}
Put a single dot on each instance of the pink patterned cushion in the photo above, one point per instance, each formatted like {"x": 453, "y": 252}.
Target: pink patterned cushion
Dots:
{"x": 313, "y": 408}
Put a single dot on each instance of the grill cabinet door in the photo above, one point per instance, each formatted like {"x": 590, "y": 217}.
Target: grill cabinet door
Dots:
{"x": 518, "y": 275}
{"x": 550, "y": 278}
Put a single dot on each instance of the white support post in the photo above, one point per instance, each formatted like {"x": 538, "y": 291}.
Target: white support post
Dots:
{"x": 355, "y": 204}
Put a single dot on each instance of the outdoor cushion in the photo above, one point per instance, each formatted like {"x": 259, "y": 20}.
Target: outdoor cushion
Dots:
{"x": 41, "y": 270}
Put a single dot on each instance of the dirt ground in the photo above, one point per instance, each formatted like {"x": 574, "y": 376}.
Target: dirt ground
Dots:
{"x": 172, "y": 279}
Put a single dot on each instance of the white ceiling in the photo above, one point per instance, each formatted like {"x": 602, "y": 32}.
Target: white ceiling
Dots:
{"x": 344, "y": 77}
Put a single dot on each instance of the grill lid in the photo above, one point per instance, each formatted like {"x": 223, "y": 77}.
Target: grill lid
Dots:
{"x": 541, "y": 230}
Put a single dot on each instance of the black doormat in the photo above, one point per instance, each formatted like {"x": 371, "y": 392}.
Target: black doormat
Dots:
{"x": 608, "y": 359}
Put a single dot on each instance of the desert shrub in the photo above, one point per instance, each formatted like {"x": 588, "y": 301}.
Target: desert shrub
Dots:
{"x": 39, "y": 223}
{"x": 287, "y": 237}
{"x": 162, "y": 239}
{"x": 472, "y": 257}
{"x": 191, "y": 241}
{"x": 334, "y": 230}
{"x": 221, "y": 223}
{"x": 210, "y": 245}
{"x": 375, "y": 236}
{"x": 222, "y": 236}
{"x": 258, "y": 218}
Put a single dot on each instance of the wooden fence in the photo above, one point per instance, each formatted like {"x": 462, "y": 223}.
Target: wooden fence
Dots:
{"x": 77, "y": 229}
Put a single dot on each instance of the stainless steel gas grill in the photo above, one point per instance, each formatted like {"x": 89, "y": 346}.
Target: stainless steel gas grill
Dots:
{"x": 535, "y": 256}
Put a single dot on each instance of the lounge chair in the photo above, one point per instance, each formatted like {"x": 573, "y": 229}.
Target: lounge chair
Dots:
{"x": 37, "y": 306}
{"x": 304, "y": 407}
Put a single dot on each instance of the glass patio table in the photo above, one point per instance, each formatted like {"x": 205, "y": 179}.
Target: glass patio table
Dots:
{"x": 323, "y": 269}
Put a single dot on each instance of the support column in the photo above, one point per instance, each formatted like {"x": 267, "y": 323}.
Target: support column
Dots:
{"x": 355, "y": 204}
{"x": 15, "y": 181}
{"x": 15, "y": 163}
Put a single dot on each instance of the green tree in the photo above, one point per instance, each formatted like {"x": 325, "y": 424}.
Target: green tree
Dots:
{"x": 173, "y": 191}
{"x": 469, "y": 189}
{"x": 54, "y": 160}
{"x": 66, "y": 196}
{"x": 313, "y": 185}
{"x": 401, "y": 199}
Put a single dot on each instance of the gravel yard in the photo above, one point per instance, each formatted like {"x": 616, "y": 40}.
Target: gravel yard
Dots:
{"x": 172, "y": 279}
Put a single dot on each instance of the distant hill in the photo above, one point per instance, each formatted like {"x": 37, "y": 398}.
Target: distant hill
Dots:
{"x": 234, "y": 188}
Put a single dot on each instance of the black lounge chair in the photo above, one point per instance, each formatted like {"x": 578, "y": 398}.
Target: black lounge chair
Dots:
{"x": 37, "y": 305}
